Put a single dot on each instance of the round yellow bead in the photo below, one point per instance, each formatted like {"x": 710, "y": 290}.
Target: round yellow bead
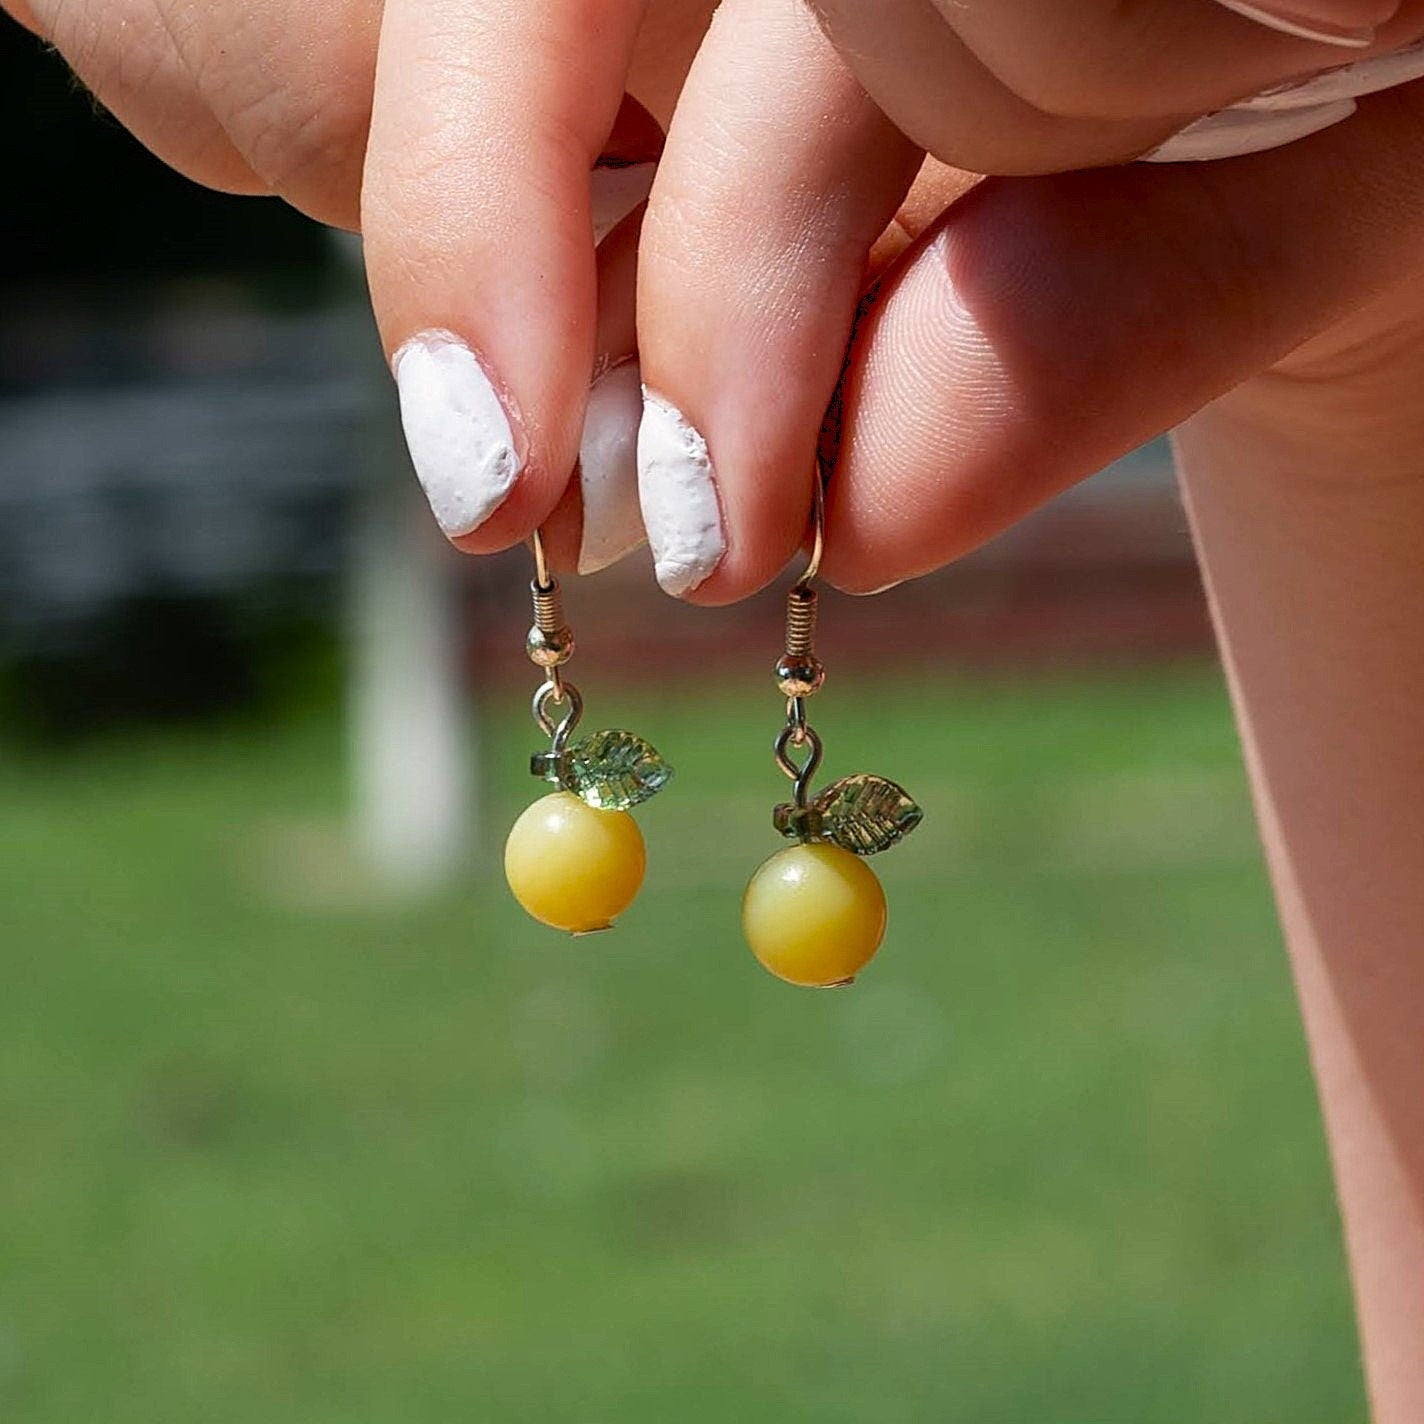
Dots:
{"x": 572, "y": 865}
{"x": 814, "y": 915}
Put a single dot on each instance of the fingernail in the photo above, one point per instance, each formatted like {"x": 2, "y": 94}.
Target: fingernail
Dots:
{"x": 678, "y": 492}
{"x": 608, "y": 469}
{"x": 1290, "y": 21}
{"x": 1232, "y": 133}
{"x": 614, "y": 190}
{"x": 462, "y": 444}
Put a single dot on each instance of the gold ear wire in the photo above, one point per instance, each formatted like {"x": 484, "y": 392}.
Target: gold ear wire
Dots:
{"x": 799, "y": 672}
{"x": 542, "y": 576}
{"x": 818, "y": 527}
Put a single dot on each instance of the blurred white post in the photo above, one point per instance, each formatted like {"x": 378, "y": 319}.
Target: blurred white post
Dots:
{"x": 411, "y": 729}
{"x": 410, "y": 723}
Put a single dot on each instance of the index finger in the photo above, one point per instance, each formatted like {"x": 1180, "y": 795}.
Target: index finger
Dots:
{"x": 488, "y": 116}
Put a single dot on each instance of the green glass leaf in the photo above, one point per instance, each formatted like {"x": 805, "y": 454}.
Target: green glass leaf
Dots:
{"x": 615, "y": 770}
{"x": 866, "y": 814}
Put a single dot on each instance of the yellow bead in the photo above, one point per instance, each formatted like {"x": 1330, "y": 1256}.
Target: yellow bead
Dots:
{"x": 814, "y": 915}
{"x": 573, "y": 866}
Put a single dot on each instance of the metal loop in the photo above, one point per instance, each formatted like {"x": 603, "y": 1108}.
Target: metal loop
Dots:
{"x": 802, "y": 735}
{"x": 556, "y": 692}
{"x": 796, "y": 719}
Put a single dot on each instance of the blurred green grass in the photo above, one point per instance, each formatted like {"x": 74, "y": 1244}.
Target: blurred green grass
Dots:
{"x": 277, "y": 1151}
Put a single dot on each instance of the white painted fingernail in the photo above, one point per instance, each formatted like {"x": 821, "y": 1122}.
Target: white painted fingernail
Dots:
{"x": 614, "y": 190}
{"x": 1291, "y": 111}
{"x": 608, "y": 469}
{"x": 1233, "y": 133}
{"x": 465, "y": 451}
{"x": 1304, "y": 27}
{"x": 678, "y": 492}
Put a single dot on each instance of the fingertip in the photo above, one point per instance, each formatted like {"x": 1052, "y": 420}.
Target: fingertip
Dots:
{"x": 679, "y": 497}
{"x": 733, "y": 581}
{"x": 862, "y": 577}
{"x": 477, "y": 213}
{"x": 612, "y": 524}
{"x": 465, "y": 440}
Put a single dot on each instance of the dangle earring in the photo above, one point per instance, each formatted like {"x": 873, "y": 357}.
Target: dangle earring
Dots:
{"x": 575, "y": 858}
{"x": 814, "y": 913}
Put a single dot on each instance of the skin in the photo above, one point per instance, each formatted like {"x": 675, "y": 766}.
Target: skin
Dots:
{"x": 1023, "y": 331}
{"x": 1306, "y": 492}
{"x": 920, "y": 476}
{"x": 458, "y": 134}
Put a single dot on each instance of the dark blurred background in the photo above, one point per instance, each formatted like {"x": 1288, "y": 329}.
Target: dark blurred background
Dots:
{"x": 302, "y": 1121}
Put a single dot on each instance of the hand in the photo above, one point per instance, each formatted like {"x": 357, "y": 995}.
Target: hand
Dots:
{"x": 458, "y": 135}
{"x": 476, "y": 126}
{"x": 1034, "y": 330}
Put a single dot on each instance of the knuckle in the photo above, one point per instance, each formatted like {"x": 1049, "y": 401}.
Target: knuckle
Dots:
{"x": 295, "y": 103}
{"x": 129, "y": 66}
{"x": 306, "y": 142}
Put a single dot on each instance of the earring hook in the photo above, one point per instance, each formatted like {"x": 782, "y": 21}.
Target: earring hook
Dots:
{"x": 818, "y": 528}
{"x": 541, "y": 562}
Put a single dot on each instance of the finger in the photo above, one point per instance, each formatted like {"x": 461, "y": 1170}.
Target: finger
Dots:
{"x": 291, "y": 86}
{"x": 126, "y": 57}
{"x": 1047, "y": 326}
{"x": 598, "y": 522}
{"x": 612, "y": 523}
{"x": 778, "y": 175}
{"x": 668, "y": 41}
{"x": 488, "y": 116}
{"x": 1103, "y": 59}
{"x": 939, "y": 93}
{"x": 1044, "y": 87}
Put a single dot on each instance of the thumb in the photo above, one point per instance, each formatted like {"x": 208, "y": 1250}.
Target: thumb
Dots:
{"x": 1044, "y": 327}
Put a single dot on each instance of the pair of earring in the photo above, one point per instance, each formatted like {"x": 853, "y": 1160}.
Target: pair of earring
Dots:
{"x": 814, "y": 913}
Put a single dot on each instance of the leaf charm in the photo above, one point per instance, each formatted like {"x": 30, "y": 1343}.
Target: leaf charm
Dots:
{"x": 614, "y": 770}
{"x": 866, "y": 814}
